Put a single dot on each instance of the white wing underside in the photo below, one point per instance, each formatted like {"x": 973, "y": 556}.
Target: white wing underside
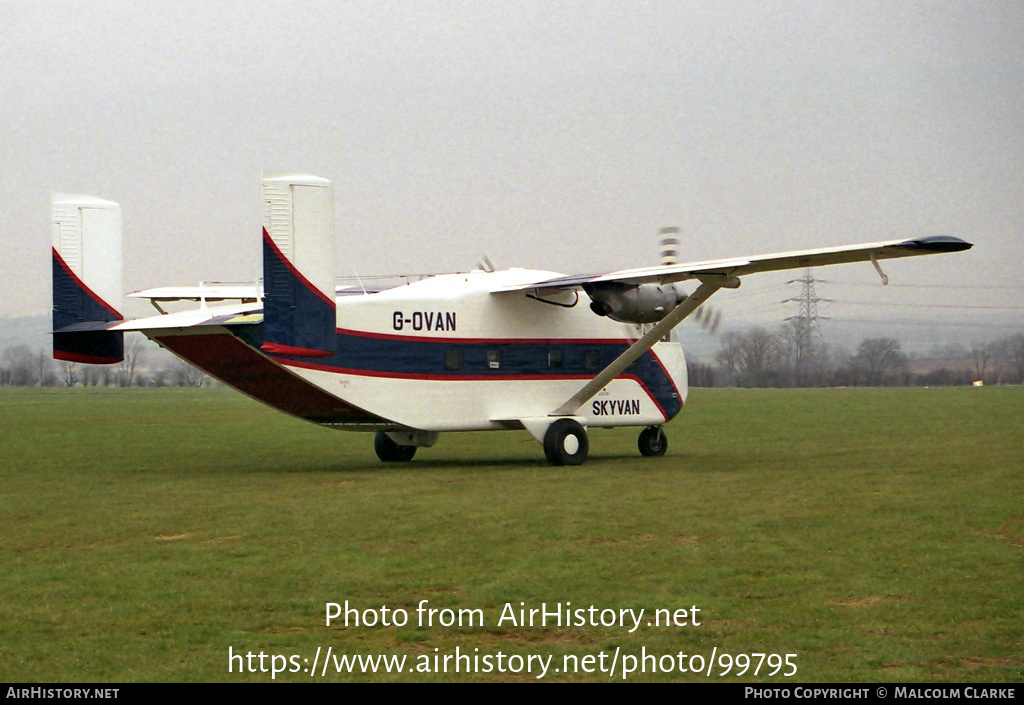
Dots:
{"x": 742, "y": 266}
{"x": 714, "y": 275}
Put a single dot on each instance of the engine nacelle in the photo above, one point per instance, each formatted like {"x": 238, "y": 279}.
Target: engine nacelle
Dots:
{"x": 633, "y": 303}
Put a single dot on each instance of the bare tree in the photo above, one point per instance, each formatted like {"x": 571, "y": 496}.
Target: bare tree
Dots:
{"x": 878, "y": 359}
{"x": 45, "y": 376}
{"x": 90, "y": 375}
{"x": 760, "y": 357}
{"x": 20, "y": 365}
{"x": 158, "y": 377}
{"x": 186, "y": 375}
{"x": 981, "y": 353}
{"x": 1013, "y": 355}
{"x": 790, "y": 353}
{"x": 699, "y": 374}
{"x": 802, "y": 353}
{"x": 69, "y": 373}
{"x": 133, "y": 346}
{"x": 729, "y": 356}
{"x": 751, "y": 359}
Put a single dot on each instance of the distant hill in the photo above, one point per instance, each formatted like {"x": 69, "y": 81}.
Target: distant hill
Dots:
{"x": 33, "y": 331}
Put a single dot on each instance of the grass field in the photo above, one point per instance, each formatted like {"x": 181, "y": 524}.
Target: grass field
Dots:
{"x": 877, "y": 534}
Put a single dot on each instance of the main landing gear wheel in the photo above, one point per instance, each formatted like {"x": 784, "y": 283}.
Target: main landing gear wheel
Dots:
{"x": 389, "y": 451}
{"x": 653, "y": 441}
{"x": 565, "y": 443}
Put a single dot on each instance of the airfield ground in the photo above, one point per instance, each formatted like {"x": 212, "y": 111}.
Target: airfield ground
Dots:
{"x": 876, "y": 534}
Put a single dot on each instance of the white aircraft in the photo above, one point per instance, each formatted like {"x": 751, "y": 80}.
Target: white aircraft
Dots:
{"x": 483, "y": 350}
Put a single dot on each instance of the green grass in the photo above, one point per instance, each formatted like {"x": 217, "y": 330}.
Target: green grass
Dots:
{"x": 878, "y": 534}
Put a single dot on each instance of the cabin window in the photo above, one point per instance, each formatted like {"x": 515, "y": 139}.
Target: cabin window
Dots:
{"x": 453, "y": 359}
{"x": 591, "y": 359}
{"x": 555, "y": 358}
{"x": 494, "y": 359}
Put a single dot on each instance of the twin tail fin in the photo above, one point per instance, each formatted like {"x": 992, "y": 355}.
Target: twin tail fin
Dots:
{"x": 299, "y": 311}
{"x": 86, "y": 279}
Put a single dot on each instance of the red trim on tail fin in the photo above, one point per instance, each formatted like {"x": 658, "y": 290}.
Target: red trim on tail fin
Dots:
{"x": 295, "y": 272}
{"x": 86, "y": 359}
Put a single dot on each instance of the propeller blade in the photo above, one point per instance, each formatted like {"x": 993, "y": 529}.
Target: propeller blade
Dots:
{"x": 715, "y": 323}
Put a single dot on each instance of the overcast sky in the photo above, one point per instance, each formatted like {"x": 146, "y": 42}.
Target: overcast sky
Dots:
{"x": 553, "y": 135}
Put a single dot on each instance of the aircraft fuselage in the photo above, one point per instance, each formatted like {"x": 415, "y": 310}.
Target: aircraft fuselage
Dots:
{"x": 446, "y": 354}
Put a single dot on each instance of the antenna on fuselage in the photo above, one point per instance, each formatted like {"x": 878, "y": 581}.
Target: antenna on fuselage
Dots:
{"x": 360, "y": 280}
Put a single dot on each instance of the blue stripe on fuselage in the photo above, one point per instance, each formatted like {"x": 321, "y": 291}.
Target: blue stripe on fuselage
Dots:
{"x": 408, "y": 357}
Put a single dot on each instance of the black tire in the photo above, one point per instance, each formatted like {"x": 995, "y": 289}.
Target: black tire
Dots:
{"x": 391, "y": 452}
{"x": 566, "y": 443}
{"x": 653, "y": 442}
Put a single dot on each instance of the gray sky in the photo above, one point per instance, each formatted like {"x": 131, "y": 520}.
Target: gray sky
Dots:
{"x": 555, "y": 135}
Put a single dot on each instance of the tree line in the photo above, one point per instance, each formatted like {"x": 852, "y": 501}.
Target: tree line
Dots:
{"x": 757, "y": 357}
{"x": 21, "y": 366}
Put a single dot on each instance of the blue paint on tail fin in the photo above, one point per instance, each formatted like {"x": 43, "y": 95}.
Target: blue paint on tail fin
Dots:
{"x": 298, "y": 319}
{"x": 75, "y": 304}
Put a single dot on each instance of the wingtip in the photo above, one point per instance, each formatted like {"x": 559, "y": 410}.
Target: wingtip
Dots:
{"x": 937, "y": 243}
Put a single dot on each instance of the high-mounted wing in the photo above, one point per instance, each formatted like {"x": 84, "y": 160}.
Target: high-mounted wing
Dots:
{"x": 648, "y": 294}
{"x": 742, "y": 266}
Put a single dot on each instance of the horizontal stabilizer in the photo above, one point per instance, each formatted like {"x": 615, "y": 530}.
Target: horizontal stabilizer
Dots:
{"x": 246, "y": 293}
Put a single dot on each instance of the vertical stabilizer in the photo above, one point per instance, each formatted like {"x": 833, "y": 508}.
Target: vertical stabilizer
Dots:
{"x": 86, "y": 279}
{"x": 298, "y": 266}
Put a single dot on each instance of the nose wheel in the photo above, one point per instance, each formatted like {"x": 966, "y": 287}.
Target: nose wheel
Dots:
{"x": 653, "y": 441}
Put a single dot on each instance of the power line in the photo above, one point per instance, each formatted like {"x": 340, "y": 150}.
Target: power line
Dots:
{"x": 966, "y": 306}
{"x": 965, "y": 287}
{"x": 931, "y": 323}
